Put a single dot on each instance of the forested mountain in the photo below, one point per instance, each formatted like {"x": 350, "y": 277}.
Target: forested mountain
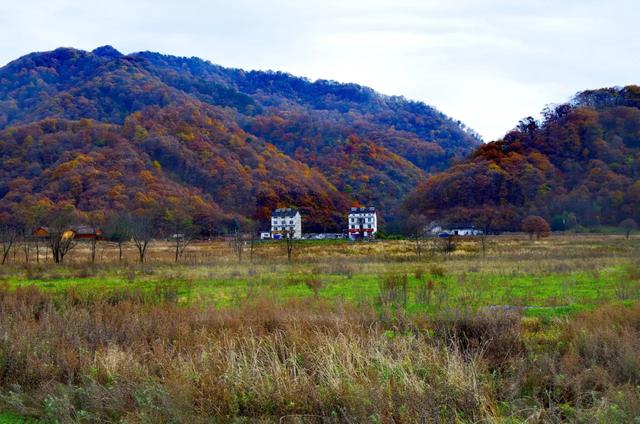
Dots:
{"x": 101, "y": 129}
{"x": 579, "y": 166}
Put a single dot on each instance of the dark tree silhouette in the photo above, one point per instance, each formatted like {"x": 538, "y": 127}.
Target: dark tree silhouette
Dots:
{"x": 628, "y": 226}
{"x": 536, "y": 225}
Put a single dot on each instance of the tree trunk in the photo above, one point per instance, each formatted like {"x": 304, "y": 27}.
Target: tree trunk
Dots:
{"x": 141, "y": 245}
{"x": 141, "y": 252}
{"x": 289, "y": 247}
{"x": 5, "y": 254}
{"x": 94, "y": 244}
{"x": 27, "y": 250}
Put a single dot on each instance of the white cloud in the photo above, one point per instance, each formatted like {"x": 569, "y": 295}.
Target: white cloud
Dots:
{"x": 488, "y": 63}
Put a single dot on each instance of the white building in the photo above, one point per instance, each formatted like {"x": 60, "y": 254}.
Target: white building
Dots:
{"x": 363, "y": 222}
{"x": 456, "y": 230}
{"x": 286, "y": 221}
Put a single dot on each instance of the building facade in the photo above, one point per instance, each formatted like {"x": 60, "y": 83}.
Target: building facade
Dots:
{"x": 363, "y": 223}
{"x": 286, "y": 221}
{"x": 458, "y": 229}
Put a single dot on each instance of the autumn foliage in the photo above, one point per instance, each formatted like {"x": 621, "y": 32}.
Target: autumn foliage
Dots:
{"x": 580, "y": 166}
{"x": 104, "y": 130}
{"x": 536, "y": 226}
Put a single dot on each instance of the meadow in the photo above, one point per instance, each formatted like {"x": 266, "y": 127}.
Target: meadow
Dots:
{"x": 520, "y": 331}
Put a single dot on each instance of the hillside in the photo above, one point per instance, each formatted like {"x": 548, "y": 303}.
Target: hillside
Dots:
{"x": 580, "y": 166}
{"x": 246, "y": 141}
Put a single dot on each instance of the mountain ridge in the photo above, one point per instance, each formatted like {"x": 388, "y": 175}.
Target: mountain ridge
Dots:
{"x": 579, "y": 166}
{"x": 247, "y": 140}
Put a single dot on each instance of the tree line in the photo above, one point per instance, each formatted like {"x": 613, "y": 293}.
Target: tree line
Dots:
{"x": 44, "y": 229}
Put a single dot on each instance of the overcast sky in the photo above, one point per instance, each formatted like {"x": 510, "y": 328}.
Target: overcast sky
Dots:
{"x": 488, "y": 63}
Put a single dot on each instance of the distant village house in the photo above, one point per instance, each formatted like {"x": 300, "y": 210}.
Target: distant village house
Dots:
{"x": 78, "y": 232}
{"x": 86, "y": 233}
{"x": 456, "y": 229}
{"x": 363, "y": 223}
{"x": 265, "y": 235}
{"x": 286, "y": 222}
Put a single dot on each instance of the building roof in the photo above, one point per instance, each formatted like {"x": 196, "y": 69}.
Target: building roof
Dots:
{"x": 40, "y": 229}
{"x": 363, "y": 210}
{"x": 85, "y": 230}
{"x": 78, "y": 230}
{"x": 459, "y": 225}
{"x": 452, "y": 225}
{"x": 284, "y": 213}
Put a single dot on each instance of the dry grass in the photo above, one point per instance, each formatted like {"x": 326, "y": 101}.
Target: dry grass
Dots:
{"x": 73, "y": 359}
{"x": 123, "y": 354}
{"x": 70, "y": 358}
{"x": 555, "y": 251}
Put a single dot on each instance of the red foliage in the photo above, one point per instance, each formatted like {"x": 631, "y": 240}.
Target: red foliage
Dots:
{"x": 583, "y": 161}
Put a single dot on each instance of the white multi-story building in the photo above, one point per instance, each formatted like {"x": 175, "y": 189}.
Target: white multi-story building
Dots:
{"x": 363, "y": 222}
{"x": 286, "y": 221}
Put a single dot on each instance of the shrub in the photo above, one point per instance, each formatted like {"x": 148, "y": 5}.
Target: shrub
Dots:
{"x": 341, "y": 268}
{"x": 628, "y": 226}
{"x": 393, "y": 290}
{"x": 314, "y": 285}
{"x": 536, "y": 225}
{"x": 437, "y": 270}
{"x": 492, "y": 333}
{"x": 424, "y": 292}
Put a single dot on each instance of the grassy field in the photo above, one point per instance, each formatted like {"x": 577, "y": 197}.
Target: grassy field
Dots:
{"x": 556, "y": 275}
{"x": 529, "y": 331}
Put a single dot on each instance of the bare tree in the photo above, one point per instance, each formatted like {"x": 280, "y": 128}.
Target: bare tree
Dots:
{"x": 142, "y": 231}
{"x": 416, "y": 226}
{"x": 61, "y": 238}
{"x": 117, "y": 230}
{"x": 94, "y": 220}
{"x": 34, "y": 215}
{"x": 288, "y": 235}
{"x": 8, "y": 236}
{"x": 237, "y": 243}
{"x": 484, "y": 223}
{"x": 181, "y": 228}
{"x": 447, "y": 244}
{"x": 252, "y": 228}
{"x": 628, "y": 226}
{"x": 26, "y": 242}
{"x": 245, "y": 231}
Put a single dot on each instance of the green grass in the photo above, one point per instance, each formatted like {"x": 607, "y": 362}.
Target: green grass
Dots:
{"x": 8, "y": 418}
{"x": 544, "y": 280}
{"x": 539, "y": 294}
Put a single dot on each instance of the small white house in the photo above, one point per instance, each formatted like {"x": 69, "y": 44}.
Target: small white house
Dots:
{"x": 286, "y": 221}
{"x": 463, "y": 230}
{"x": 265, "y": 235}
{"x": 363, "y": 223}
